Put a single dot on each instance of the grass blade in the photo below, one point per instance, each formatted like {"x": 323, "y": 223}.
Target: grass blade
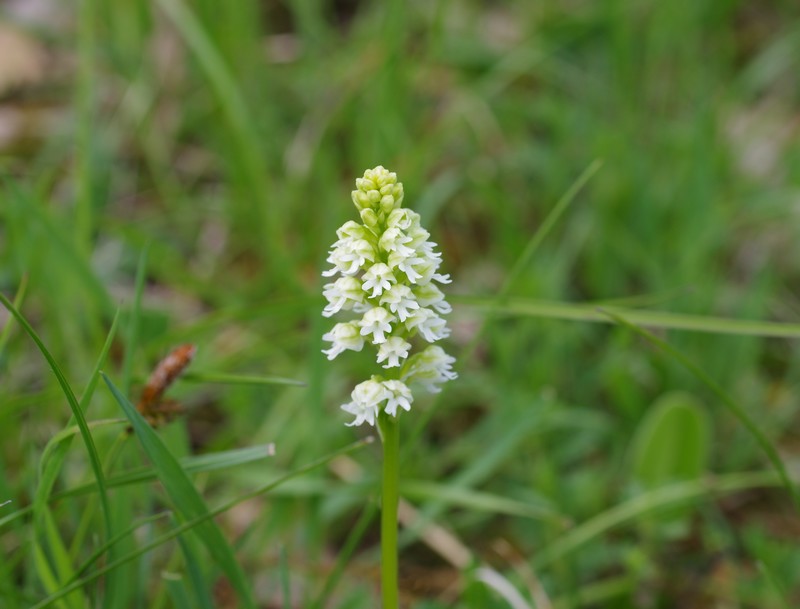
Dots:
{"x": 477, "y": 501}
{"x": 77, "y": 412}
{"x": 56, "y": 449}
{"x": 544, "y": 229}
{"x": 239, "y": 379}
{"x": 185, "y": 496}
{"x": 192, "y": 465}
{"x": 189, "y": 525}
{"x": 655, "y": 319}
{"x": 497, "y": 303}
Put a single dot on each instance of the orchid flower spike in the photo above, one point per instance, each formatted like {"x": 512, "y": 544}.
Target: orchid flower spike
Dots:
{"x": 384, "y": 270}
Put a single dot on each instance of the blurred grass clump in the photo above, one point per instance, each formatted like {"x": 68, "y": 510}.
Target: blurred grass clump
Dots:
{"x": 173, "y": 171}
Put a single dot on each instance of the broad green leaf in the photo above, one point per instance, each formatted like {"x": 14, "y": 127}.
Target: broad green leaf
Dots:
{"x": 671, "y": 442}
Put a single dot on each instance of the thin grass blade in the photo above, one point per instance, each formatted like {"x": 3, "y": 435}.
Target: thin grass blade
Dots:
{"x": 239, "y": 379}
{"x": 654, "y": 319}
{"x": 77, "y": 412}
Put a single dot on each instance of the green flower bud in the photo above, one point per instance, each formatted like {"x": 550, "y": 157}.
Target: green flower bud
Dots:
{"x": 361, "y": 199}
{"x": 387, "y": 204}
{"x": 369, "y": 217}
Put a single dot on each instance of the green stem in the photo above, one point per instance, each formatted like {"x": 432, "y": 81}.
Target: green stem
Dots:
{"x": 390, "y": 435}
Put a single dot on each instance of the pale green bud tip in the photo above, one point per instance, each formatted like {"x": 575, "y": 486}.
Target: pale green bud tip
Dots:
{"x": 378, "y": 190}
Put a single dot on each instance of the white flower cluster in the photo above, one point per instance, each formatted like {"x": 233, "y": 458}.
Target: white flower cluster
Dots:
{"x": 386, "y": 268}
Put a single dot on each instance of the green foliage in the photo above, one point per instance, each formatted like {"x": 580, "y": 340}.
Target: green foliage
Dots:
{"x": 581, "y": 165}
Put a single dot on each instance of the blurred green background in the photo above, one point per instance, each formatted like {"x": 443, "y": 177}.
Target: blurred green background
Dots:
{"x": 188, "y": 161}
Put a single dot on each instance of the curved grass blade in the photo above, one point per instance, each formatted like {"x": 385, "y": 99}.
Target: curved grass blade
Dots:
{"x": 77, "y": 411}
{"x": 727, "y": 400}
{"x": 56, "y": 449}
{"x": 53, "y": 458}
{"x": 186, "y": 498}
{"x": 189, "y": 525}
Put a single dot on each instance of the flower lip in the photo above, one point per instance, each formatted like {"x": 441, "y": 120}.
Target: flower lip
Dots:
{"x": 397, "y": 394}
{"x": 376, "y": 321}
{"x": 343, "y": 336}
{"x": 400, "y": 301}
{"x": 378, "y": 278}
{"x": 393, "y": 349}
{"x": 366, "y": 400}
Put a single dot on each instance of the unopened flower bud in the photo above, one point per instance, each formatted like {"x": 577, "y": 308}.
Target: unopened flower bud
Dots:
{"x": 369, "y": 217}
